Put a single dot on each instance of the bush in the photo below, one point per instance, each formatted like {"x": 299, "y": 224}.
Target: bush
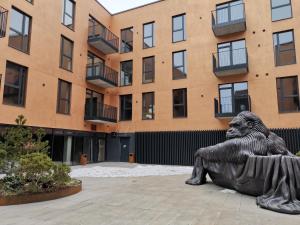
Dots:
{"x": 298, "y": 154}
{"x": 23, "y": 156}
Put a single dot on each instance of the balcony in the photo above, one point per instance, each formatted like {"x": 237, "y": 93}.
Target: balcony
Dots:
{"x": 3, "y": 21}
{"x": 229, "y": 19}
{"x": 231, "y": 107}
{"x": 102, "y": 39}
{"x": 101, "y": 75}
{"x": 231, "y": 62}
{"x": 100, "y": 113}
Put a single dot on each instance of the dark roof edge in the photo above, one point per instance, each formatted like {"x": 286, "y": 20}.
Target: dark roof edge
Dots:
{"x": 104, "y": 7}
{"x": 113, "y": 14}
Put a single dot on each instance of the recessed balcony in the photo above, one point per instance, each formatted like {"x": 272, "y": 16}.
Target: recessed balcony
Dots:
{"x": 228, "y": 19}
{"x": 101, "y": 75}
{"x": 3, "y": 21}
{"x": 229, "y": 108}
{"x": 100, "y": 113}
{"x": 230, "y": 62}
{"x": 102, "y": 39}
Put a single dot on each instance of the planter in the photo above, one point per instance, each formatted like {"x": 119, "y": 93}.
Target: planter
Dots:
{"x": 39, "y": 197}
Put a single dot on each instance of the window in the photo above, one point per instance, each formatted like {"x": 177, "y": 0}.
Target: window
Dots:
{"x": 148, "y": 35}
{"x": 127, "y": 40}
{"x": 232, "y": 53}
{"x": 148, "y": 106}
{"x": 179, "y": 103}
{"x": 284, "y": 48}
{"x": 95, "y": 66}
{"x": 19, "y": 33}
{"x": 148, "y": 69}
{"x": 281, "y": 9}
{"x": 288, "y": 94}
{"x": 126, "y": 73}
{"x": 179, "y": 65}
{"x": 93, "y": 103}
{"x": 68, "y": 13}
{"x": 64, "y": 97}
{"x": 15, "y": 84}
{"x": 178, "y": 27}
{"x": 234, "y": 98}
{"x": 125, "y": 107}
{"x": 66, "y": 54}
{"x": 230, "y": 11}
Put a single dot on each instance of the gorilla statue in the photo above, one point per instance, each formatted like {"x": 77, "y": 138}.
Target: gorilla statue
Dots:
{"x": 249, "y": 161}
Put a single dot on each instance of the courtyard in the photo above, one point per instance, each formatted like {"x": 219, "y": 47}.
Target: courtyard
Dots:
{"x": 143, "y": 199}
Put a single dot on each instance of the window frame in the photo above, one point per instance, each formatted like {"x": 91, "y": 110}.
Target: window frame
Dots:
{"x": 184, "y": 64}
{"x": 131, "y": 74}
{"x": 183, "y": 27}
{"x": 65, "y": 13}
{"x": 62, "y": 55}
{"x": 184, "y": 104}
{"x": 281, "y": 92}
{"x": 277, "y": 53}
{"x": 147, "y": 37}
{"x": 145, "y": 72}
{"x": 144, "y": 107}
{"x": 123, "y": 110}
{"x": 22, "y": 87}
{"x": 281, "y": 6}
{"x": 23, "y": 31}
{"x": 126, "y": 42}
{"x": 59, "y": 99}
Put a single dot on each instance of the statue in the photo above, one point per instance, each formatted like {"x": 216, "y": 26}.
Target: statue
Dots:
{"x": 255, "y": 161}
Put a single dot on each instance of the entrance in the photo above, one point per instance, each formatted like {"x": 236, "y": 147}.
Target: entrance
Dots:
{"x": 125, "y": 144}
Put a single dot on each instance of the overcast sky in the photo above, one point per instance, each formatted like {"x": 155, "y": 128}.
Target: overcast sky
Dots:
{"x": 115, "y": 6}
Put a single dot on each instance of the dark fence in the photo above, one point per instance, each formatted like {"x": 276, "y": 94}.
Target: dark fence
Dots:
{"x": 178, "y": 148}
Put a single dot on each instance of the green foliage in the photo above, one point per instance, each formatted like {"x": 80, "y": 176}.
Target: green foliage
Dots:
{"x": 298, "y": 154}
{"x": 28, "y": 167}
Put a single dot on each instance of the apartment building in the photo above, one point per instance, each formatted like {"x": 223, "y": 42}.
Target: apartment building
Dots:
{"x": 159, "y": 80}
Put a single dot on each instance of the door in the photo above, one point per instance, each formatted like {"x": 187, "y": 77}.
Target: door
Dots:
{"x": 101, "y": 147}
{"x": 125, "y": 145}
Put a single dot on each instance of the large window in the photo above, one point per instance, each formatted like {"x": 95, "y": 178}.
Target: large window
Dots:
{"x": 66, "y": 54}
{"x": 234, "y": 97}
{"x": 125, "y": 107}
{"x": 127, "y": 40}
{"x": 64, "y": 97}
{"x": 126, "y": 73}
{"x": 93, "y": 103}
{"x": 15, "y": 84}
{"x": 148, "y": 35}
{"x": 179, "y": 103}
{"x": 148, "y": 69}
{"x": 178, "y": 27}
{"x": 68, "y": 13}
{"x": 179, "y": 65}
{"x": 232, "y": 53}
{"x": 288, "y": 94}
{"x": 230, "y": 11}
{"x": 19, "y": 33}
{"x": 148, "y": 106}
{"x": 95, "y": 66}
{"x": 284, "y": 48}
{"x": 281, "y": 9}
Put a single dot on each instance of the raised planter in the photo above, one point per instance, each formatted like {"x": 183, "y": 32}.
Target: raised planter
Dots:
{"x": 40, "y": 197}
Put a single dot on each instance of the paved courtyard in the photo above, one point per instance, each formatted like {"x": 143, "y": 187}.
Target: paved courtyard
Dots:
{"x": 155, "y": 200}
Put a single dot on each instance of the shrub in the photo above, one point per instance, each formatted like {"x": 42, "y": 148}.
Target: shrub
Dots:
{"x": 298, "y": 154}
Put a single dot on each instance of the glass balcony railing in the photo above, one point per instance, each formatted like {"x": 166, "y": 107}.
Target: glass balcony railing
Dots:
{"x": 230, "y": 62}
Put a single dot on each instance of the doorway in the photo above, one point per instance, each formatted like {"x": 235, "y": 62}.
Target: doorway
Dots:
{"x": 125, "y": 146}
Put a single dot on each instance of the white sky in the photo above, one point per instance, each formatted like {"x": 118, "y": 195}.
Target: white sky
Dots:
{"x": 115, "y": 6}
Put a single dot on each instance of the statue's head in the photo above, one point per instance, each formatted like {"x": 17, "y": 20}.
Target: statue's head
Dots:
{"x": 245, "y": 123}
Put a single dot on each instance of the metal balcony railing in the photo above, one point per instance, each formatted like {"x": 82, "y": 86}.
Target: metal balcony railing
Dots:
{"x": 232, "y": 62}
{"x": 100, "y": 113}
{"x": 229, "y": 19}
{"x": 232, "y": 107}
{"x": 98, "y": 32}
{"x": 100, "y": 71}
{"x": 3, "y": 21}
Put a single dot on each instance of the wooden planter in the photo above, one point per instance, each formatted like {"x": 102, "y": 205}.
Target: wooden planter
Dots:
{"x": 39, "y": 197}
